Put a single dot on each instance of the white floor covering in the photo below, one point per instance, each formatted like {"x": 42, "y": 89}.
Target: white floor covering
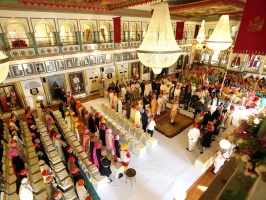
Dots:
{"x": 166, "y": 166}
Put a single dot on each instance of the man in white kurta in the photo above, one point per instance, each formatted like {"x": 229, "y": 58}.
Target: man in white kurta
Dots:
{"x": 219, "y": 161}
{"x": 193, "y": 135}
{"x": 137, "y": 117}
{"x": 123, "y": 91}
{"x": 25, "y": 190}
{"x": 58, "y": 146}
{"x": 119, "y": 105}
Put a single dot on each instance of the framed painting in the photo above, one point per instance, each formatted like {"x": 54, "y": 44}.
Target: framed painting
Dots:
{"x": 197, "y": 57}
{"x": 77, "y": 62}
{"x": 254, "y": 63}
{"x": 224, "y": 58}
{"x": 50, "y": 67}
{"x": 122, "y": 56}
{"x": 39, "y": 67}
{"x": 9, "y": 98}
{"x": 17, "y": 70}
{"x": 101, "y": 59}
{"x": 133, "y": 55}
{"x": 69, "y": 63}
{"x": 237, "y": 61}
{"x": 135, "y": 70}
{"x": 56, "y": 84}
{"x": 146, "y": 70}
{"x": 60, "y": 65}
{"x": 29, "y": 69}
{"x": 205, "y": 57}
{"x": 86, "y": 61}
{"x": 128, "y": 57}
{"x": 108, "y": 58}
{"x": 76, "y": 83}
{"x": 180, "y": 62}
{"x": 116, "y": 57}
{"x": 93, "y": 60}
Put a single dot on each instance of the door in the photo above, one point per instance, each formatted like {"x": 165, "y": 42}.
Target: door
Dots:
{"x": 93, "y": 76}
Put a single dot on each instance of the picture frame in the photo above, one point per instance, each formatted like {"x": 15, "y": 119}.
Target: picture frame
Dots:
{"x": 254, "y": 63}
{"x": 69, "y": 63}
{"x": 133, "y": 55}
{"x": 50, "y": 66}
{"x": 9, "y": 98}
{"x": 28, "y": 69}
{"x": 77, "y": 62}
{"x": 122, "y": 56}
{"x": 17, "y": 70}
{"x": 197, "y": 56}
{"x": 224, "y": 58}
{"x": 93, "y": 60}
{"x": 116, "y": 57}
{"x": 76, "y": 83}
{"x": 146, "y": 70}
{"x": 101, "y": 59}
{"x": 135, "y": 70}
{"x": 86, "y": 61}
{"x": 108, "y": 58}
{"x": 128, "y": 56}
{"x": 60, "y": 65}
{"x": 56, "y": 84}
{"x": 40, "y": 67}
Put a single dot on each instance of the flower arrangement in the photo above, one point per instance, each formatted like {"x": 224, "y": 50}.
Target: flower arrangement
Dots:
{"x": 251, "y": 148}
{"x": 19, "y": 43}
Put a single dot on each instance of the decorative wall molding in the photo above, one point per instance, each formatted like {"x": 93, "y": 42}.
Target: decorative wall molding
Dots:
{"x": 22, "y": 52}
{"x": 135, "y": 43}
{"x": 89, "y": 47}
{"x": 71, "y": 48}
{"x": 48, "y": 50}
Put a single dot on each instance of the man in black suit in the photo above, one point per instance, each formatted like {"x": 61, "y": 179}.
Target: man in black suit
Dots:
{"x": 142, "y": 87}
{"x": 117, "y": 89}
{"x": 144, "y": 119}
{"x": 145, "y": 101}
{"x": 153, "y": 85}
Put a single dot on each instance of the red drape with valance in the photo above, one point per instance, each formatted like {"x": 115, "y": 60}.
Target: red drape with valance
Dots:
{"x": 117, "y": 29}
{"x": 179, "y": 30}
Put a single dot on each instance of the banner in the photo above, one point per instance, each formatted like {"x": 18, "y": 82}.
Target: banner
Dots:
{"x": 179, "y": 30}
{"x": 117, "y": 29}
{"x": 251, "y": 35}
{"x": 196, "y": 31}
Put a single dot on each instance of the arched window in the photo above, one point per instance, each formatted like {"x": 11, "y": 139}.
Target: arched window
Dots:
{"x": 105, "y": 32}
{"x": 67, "y": 33}
{"x": 17, "y": 35}
{"x": 135, "y": 32}
{"x": 88, "y": 33}
{"x": 124, "y": 35}
{"x": 44, "y": 34}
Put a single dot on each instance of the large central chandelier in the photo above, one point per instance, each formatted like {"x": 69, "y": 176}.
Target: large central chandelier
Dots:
{"x": 159, "y": 48}
{"x": 220, "y": 39}
{"x": 4, "y": 66}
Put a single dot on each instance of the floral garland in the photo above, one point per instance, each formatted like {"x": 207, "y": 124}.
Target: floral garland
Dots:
{"x": 251, "y": 148}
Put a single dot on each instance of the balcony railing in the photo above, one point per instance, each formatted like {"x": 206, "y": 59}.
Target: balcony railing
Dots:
{"x": 19, "y": 42}
{"x": 68, "y": 40}
{"x": 45, "y": 41}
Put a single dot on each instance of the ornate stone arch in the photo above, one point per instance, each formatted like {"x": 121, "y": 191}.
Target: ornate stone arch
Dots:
{"x": 48, "y": 24}
{"x": 15, "y": 21}
{"x": 88, "y": 23}
{"x": 123, "y": 27}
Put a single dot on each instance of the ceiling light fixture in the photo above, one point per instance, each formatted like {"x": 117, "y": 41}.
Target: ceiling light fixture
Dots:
{"x": 220, "y": 39}
{"x": 201, "y": 35}
{"x": 159, "y": 48}
{"x": 4, "y": 66}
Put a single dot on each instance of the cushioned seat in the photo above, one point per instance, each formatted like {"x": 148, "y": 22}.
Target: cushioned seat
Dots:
{"x": 83, "y": 156}
{"x": 75, "y": 144}
{"x": 43, "y": 129}
{"x": 5, "y": 196}
{"x": 36, "y": 177}
{"x": 32, "y": 155}
{"x": 70, "y": 195}
{"x": 58, "y": 167}
{"x": 92, "y": 169}
{"x": 10, "y": 179}
{"x": 66, "y": 130}
{"x": 31, "y": 149}
{"x": 9, "y": 189}
{"x": 53, "y": 153}
{"x": 28, "y": 138}
{"x": 34, "y": 169}
{"x": 87, "y": 163}
{"x": 125, "y": 138}
{"x": 78, "y": 149}
{"x": 72, "y": 139}
{"x": 40, "y": 196}
{"x": 33, "y": 161}
{"x": 202, "y": 163}
{"x": 38, "y": 187}
{"x": 132, "y": 143}
{"x": 61, "y": 120}
{"x": 63, "y": 125}
{"x": 55, "y": 159}
{"x": 41, "y": 125}
{"x": 139, "y": 149}
{"x": 50, "y": 148}
{"x": 45, "y": 137}
{"x": 48, "y": 143}
{"x": 70, "y": 134}
{"x": 66, "y": 184}
{"x": 62, "y": 175}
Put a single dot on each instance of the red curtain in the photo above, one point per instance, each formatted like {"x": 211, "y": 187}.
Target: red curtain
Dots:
{"x": 196, "y": 31}
{"x": 179, "y": 30}
{"x": 251, "y": 37}
{"x": 117, "y": 29}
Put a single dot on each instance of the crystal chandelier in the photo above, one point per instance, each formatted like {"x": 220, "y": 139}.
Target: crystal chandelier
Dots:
{"x": 159, "y": 48}
{"x": 221, "y": 38}
{"x": 201, "y": 35}
{"x": 4, "y": 66}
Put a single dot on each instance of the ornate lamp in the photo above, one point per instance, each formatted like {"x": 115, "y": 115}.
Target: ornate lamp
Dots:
{"x": 201, "y": 35}
{"x": 221, "y": 38}
{"x": 4, "y": 66}
{"x": 159, "y": 48}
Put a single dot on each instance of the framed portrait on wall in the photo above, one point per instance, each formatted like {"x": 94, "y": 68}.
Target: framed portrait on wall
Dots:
{"x": 101, "y": 59}
{"x": 128, "y": 56}
{"x": 28, "y": 69}
{"x": 254, "y": 63}
{"x": 133, "y": 55}
{"x": 17, "y": 70}
{"x": 77, "y": 62}
{"x": 60, "y": 65}
{"x": 56, "y": 84}
{"x": 39, "y": 67}
{"x": 237, "y": 61}
{"x": 69, "y": 63}
{"x": 108, "y": 58}
{"x": 197, "y": 56}
{"x": 224, "y": 58}
{"x": 9, "y": 98}
{"x": 76, "y": 82}
{"x": 122, "y": 56}
{"x": 116, "y": 57}
{"x": 86, "y": 61}
{"x": 50, "y": 67}
{"x": 93, "y": 60}
{"x": 146, "y": 70}
{"x": 180, "y": 62}
{"x": 135, "y": 70}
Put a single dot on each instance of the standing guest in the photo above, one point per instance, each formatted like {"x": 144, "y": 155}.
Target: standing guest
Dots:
{"x": 81, "y": 190}
{"x": 217, "y": 126}
{"x": 206, "y": 139}
{"x": 207, "y": 117}
{"x": 229, "y": 117}
{"x": 193, "y": 135}
{"x": 71, "y": 163}
{"x": 58, "y": 195}
{"x": 187, "y": 98}
{"x": 174, "y": 111}
{"x": 101, "y": 88}
{"x": 50, "y": 189}
{"x": 125, "y": 156}
{"x": 102, "y": 134}
{"x": 160, "y": 103}
{"x": 91, "y": 146}
{"x": 21, "y": 175}
{"x": 91, "y": 124}
{"x": 153, "y": 105}
{"x": 153, "y": 85}
{"x": 97, "y": 118}
{"x": 226, "y": 105}
{"x": 117, "y": 146}
{"x": 58, "y": 146}
{"x": 144, "y": 118}
{"x": 151, "y": 125}
{"x": 97, "y": 154}
{"x": 76, "y": 175}
{"x": 216, "y": 114}
{"x": 181, "y": 97}
{"x": 145, "y": 101}
{"x": 71, "y": 154}
{"x": 137, "y": 117}
{"x": 119, "y": 105}
{"x": 128, "y": 109}
{"x": 142, "y": 87}
{"x": 218, "y": 161}
{"x": 17, "y": 162}
{"x": 105, "y": 165}
{"x": 117, "y": 89}
{"x": 123, "y": 91}
{"x": 25, "y": 191}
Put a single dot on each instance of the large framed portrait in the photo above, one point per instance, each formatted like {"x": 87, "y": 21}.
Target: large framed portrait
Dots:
{"x": 39, "y": 67}
{"x": 134, "y": 55}
{"x": 237, "y": 61}
{"x": 116, "y": 57}
{"x": 9, "y": 99}
{"x": 180, "y": 62}
{"x": 146, "y": 70}
{"x": 77, "y": 62}
{"x": 122, "y": 56}
{"x": 101, "y": 59}
{"x": 69, "y": 63}
{"x": 108, "y": 58}
{"x": 128, "y": 56}
{"x": 76, "y": 83}
{"x": 50, "y": 67}
{"x": 17, "y": 70}
{"x": 60, "y": 65}
{"x": 254, "y": 63}
{"x": 135, "y": 70}
{"x": 28, "y": 69}
{"x": 86, "y": 61}
{"x": 224, "y": 58}
{"x": 93, "y": 60}
{"x": 197, "y": 56}
{"x": 56, "y": 83}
